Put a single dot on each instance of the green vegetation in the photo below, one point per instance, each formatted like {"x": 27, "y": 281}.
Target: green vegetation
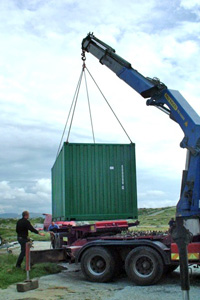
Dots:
{"x": 37, "y": 237}
{"x": 8, "y": 233}
{"x": 150, "y": 219}
{"x": 155, "y": 218}
{"x": 9, "y": 274}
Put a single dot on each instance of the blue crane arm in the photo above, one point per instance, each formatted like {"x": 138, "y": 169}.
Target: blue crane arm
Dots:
{"x": 119, "y": 66}
{"x": 171, "y": 102}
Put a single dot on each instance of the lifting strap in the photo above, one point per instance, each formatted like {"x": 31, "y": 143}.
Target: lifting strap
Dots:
{"x": 74, "y": 104}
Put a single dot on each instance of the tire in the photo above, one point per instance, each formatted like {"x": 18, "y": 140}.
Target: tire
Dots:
{"x": 144, "y": 266}
{"x": 0, "y": 241}
{"x": 98, "y": 264}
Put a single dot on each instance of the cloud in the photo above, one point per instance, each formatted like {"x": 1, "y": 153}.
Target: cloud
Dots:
{"x": 193, "y": 4}
{"x": 152, "y": 193}
{"x": 39, "y": 70}
{"x": 157, "y": 190}
{"x": 35, "y": 198}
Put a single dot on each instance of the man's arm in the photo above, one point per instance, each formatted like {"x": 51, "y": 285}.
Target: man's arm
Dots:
{"x": 32, "y": 229}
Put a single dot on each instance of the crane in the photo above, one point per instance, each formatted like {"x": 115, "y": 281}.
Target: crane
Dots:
{"x": 179, "y": 110}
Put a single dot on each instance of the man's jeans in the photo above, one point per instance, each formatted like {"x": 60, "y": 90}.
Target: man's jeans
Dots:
{"x": 22, "y": 241}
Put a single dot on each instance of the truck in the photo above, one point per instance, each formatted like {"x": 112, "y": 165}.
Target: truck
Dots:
{"x": 105, "y": 249}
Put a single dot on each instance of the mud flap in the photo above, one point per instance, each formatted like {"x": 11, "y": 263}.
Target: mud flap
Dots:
{"x": 50, "y": 255}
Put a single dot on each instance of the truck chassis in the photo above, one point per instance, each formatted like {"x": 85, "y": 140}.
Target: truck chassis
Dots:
{"x": 106, "y": 249}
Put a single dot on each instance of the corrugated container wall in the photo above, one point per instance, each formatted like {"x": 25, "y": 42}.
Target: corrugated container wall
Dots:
{"x": 94, "y": 182}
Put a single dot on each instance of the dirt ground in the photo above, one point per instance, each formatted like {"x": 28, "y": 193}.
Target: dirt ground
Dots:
{"x": 71, "y": 285}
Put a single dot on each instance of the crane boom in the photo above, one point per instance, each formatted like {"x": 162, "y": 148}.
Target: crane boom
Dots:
{"x": 122, "y": 68}
{"x": 168, "y": 100}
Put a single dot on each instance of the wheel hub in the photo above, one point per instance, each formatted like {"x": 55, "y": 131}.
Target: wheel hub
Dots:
{"x": 100, "y": 264}
{"x": 97, "y": 265}
{"x": 144, "y": 266}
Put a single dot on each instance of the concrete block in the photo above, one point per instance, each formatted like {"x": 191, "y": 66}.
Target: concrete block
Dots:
{"x": 27, "y": 285}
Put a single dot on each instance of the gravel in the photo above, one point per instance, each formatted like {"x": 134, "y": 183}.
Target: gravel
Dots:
{"x": 70, "y": 284}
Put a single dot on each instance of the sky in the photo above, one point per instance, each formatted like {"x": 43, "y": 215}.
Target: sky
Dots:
{"x": 40, "y": 64}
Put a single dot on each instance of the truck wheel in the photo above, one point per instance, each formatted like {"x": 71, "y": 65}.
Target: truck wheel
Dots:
{"x": 144, "y": 266}
{"x": 98, "y": 264}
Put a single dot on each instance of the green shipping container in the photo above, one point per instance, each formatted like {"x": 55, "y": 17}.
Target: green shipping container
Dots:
{"x": 94, "y": 182}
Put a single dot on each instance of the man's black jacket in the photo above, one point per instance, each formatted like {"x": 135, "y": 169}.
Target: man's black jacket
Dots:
{"x": 23, "y": 226}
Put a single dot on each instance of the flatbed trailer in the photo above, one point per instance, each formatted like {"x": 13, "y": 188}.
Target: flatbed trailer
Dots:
{"x": 107, "y": 248}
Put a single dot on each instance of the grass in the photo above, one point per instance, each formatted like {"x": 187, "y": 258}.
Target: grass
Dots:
{"x": 150, "y": 219}
{"x": 37, "y": 237}
{"x": 156, "y": 217}
{"x": 8, "y": 233}
{"x": 10, "y": 275}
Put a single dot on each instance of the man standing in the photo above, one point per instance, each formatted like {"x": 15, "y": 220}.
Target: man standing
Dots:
{"x": 171, "y": 223}
{"x": 22, "y": 228}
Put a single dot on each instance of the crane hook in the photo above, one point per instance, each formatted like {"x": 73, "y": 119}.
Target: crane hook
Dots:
{"x": 83, "y": 58}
